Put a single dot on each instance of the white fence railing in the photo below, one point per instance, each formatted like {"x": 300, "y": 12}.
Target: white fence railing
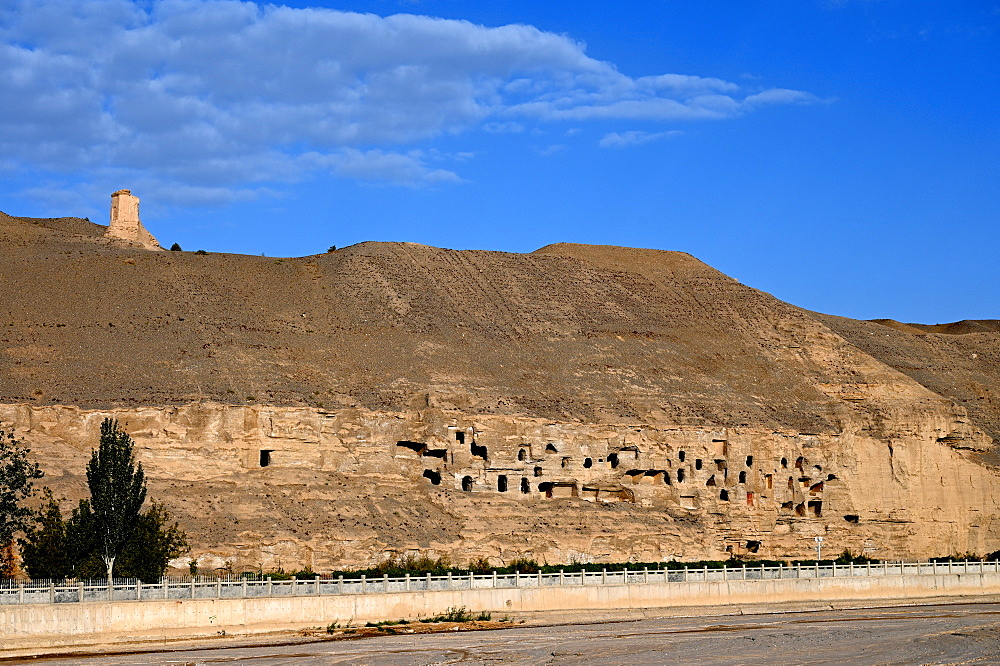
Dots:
{"x": 42, "y": 592}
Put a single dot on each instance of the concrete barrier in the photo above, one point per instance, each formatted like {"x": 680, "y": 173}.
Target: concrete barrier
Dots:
{"x": 39, "y": 626}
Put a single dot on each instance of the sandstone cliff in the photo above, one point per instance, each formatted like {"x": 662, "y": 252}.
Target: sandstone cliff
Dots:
{"x": 578, "y": 402}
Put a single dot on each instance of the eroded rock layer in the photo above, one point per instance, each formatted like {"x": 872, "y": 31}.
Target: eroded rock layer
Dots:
{"x": 578, "y": 402}
{"x": 272, "y": 486}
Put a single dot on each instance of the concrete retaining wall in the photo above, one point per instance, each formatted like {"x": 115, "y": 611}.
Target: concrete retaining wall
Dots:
{"x": 56, "y": 625}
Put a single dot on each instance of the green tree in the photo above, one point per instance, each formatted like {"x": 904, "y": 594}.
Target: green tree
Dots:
{"x": 153, "y": 544}
{"x": 117, "y": 491}
{"x": 44, "y": 548}
{"x": 17, "y": 477}
{"x": 175, "y": 247}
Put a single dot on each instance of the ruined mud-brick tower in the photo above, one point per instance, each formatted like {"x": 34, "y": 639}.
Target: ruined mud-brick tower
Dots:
{"x": 125, "y": 222}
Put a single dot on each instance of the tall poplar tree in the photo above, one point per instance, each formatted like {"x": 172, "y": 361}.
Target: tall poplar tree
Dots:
{"x": 117, "y": 491}
{"x": 17, "y": 476}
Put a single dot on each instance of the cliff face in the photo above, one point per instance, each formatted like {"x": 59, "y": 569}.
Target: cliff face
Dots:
{"x": 347, "y": 487}
{"x": 578, "y": 402}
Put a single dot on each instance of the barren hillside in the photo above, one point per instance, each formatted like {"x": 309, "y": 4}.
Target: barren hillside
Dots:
{"x": 368, "y": 366}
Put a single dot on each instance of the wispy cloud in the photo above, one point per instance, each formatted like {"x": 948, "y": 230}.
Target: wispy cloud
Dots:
{"x": 230, "y": 95}
{"x": 634, "y": 138}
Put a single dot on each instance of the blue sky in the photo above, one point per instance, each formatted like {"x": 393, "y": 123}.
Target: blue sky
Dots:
{"x": 841, "y": 155}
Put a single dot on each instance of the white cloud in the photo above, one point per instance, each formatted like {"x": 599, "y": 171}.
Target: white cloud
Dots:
{"x": 634, "y": 138}
{"x": 509, "y": 127}
{"x": 378, "y": 165}
{"x": 551, "y": 149}
{"x": 227, "y": 94}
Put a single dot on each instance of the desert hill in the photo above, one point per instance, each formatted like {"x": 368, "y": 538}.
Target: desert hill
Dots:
{"x": 568, "y": 331}
{"x": 603, "y": 349}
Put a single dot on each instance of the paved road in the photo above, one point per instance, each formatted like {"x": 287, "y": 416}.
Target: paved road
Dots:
{"x": 953, "y": 634}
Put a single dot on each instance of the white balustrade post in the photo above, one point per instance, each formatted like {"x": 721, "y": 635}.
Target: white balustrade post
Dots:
{"x": 604, "y": 576}
{"x": 317, "y": 584}
{"x": 450, "y": 587}
{"x": 385, "y": 583}
{"x": 218, "y": 588}
{"x": 20, "y": 593}
{"x": 561, "y": 577}
{"x": 364, "y": 584}
{"x": 340, "y": 584}
{"x": 270, "y": 587}
{"x": 407, "y": 582}
{"x": 192, "y": 588}
{"x": 166, "y": 588}
{"x": 245, "y": 588}
{"x": 79, "y": 591}
{"x": 52, "y": 593}
{"x": 428, "y": 581}
{"x": 645, "y": 575}
{"x": 539, "y": 578}
{"x": 494, "y": 578}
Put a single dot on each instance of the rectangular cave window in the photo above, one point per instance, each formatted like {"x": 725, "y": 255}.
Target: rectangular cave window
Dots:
{"x": 502, "y": 483}
{"x": 265, "y": 457}
{"x": 525, "y": 487}
{"x": 460, "y": 437}
{"x": 769, "y": 480}
{"x": 749, "y": 499}
{"x": 816, "y": 506}
{"x": 697, "y": 463}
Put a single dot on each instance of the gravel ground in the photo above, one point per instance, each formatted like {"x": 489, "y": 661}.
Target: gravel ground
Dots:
{"x": 952, "y": 634}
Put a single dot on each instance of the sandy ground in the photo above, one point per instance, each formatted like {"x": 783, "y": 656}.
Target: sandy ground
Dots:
{"x": 943, "y": 634}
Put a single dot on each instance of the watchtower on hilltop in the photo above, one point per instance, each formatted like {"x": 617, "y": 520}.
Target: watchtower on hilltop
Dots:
{"x": 125, "y": 223}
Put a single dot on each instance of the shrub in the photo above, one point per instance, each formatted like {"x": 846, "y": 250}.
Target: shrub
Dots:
{"x": 480, "y": 565}
{"x": 524, "y": 565}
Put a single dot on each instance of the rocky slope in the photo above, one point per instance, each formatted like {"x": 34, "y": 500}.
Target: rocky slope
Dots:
{"x": 577, "y": 402}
